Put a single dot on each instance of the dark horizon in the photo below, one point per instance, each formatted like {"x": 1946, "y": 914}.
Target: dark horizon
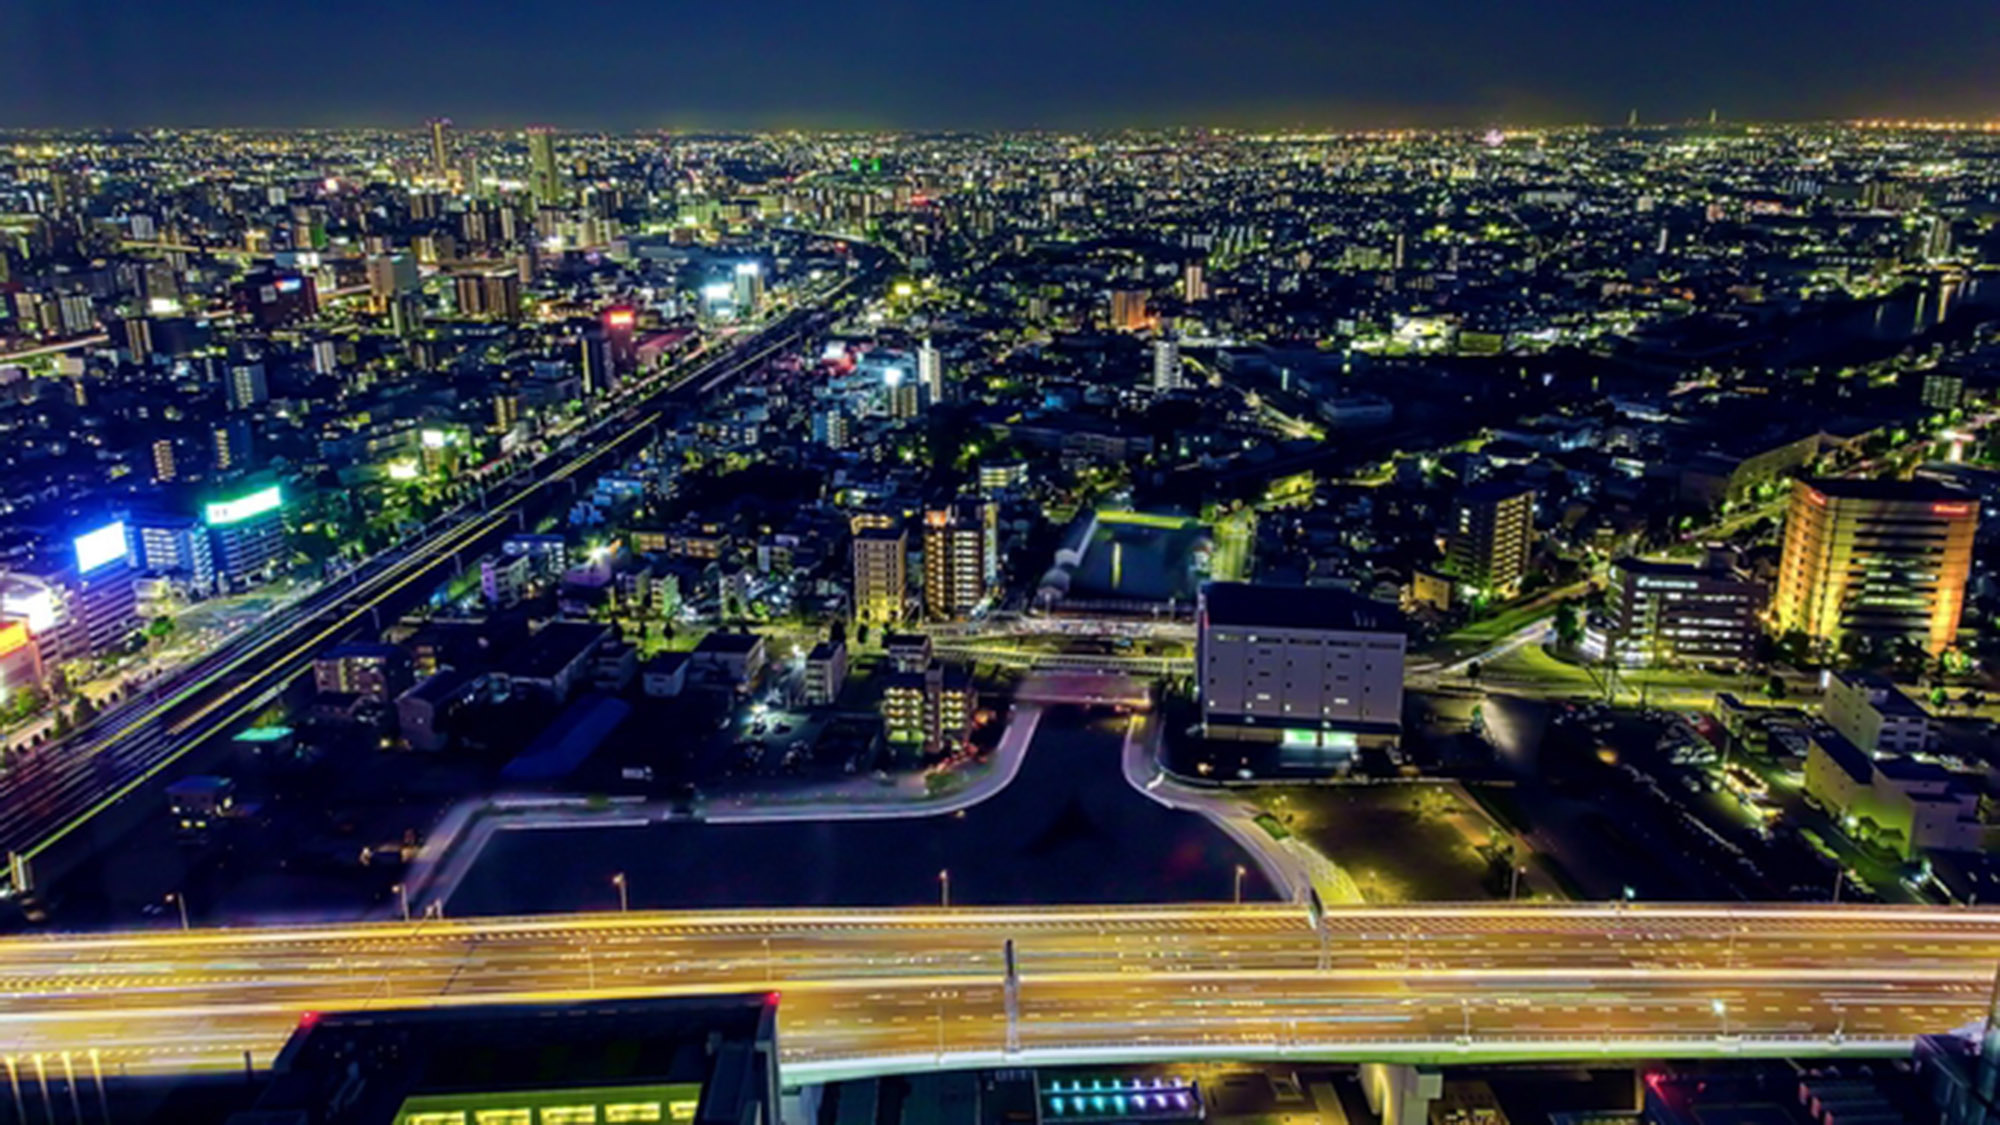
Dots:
{"x": 894, "y": 65}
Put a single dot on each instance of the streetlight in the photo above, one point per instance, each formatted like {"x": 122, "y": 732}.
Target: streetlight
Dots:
{"x": 944, "y": 887}
{"x": 403, "y": 897}
{"x": 1239, "y": 884}
{"x": 181, "y": 901}
{"x": 624, "y": 903}
{"x": 1514, "y": 882}
{"x": 1722, "y": 1012}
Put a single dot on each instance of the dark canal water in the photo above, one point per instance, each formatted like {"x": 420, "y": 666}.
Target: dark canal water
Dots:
{"x": 1068, "y": 830}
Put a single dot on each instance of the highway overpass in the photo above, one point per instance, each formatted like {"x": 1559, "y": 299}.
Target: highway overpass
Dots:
{"x": 874, "y": 991}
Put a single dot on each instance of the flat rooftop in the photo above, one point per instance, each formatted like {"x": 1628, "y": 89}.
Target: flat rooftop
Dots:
{"x": 1297, "y": 607}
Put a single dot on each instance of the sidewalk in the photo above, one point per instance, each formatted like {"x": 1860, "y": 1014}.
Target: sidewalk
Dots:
{"x": 1290, "y": 865}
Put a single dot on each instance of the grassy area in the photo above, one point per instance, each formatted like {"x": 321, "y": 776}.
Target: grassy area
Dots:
{"x": 1273, "y": 826}
{"x": 1400, "y": 842}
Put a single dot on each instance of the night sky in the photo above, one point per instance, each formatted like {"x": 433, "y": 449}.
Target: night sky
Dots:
{"x": 989, "y": 63}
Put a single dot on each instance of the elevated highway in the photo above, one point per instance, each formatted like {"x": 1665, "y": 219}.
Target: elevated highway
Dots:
{"x": 53, "y": 806}
{"x": 873, "y": 991}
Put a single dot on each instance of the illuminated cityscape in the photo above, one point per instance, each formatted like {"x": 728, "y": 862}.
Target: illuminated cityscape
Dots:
{"x": 1455, "y": 610}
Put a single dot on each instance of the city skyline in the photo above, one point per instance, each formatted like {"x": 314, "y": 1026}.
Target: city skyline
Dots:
{"x": 883, "y": 64}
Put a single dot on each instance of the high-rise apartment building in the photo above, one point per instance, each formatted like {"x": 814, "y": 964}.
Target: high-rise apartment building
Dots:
{"x": 440, "y": 147}
{"x": 1492, "y": 529}
{"x": 1166, "y": 364}
{"x": 881, "y": 575}
{"x": 955, "y": 559}
{"x": 1128, "y": 309}
{"x": 1875, "y": 558}
{"x": 930, "y": 371}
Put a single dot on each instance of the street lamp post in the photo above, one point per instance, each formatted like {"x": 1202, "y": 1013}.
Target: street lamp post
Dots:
{"x": 1239, "y": 884}
{"x": 181, "y": 901}
{"x": 624, "y": 902}
{"x": 1514, "y": 882}
{"x": 944, "y": 887}
{"x": 1722, "y": 1012}
{"x": 403, "y": 898}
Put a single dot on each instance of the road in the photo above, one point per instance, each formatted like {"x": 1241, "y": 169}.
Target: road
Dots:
{"x": 58, "y": 791}
{"x": 897, "y": 988}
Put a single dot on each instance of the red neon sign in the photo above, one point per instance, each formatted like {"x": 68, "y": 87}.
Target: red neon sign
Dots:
{"x": 1951, "y": 509}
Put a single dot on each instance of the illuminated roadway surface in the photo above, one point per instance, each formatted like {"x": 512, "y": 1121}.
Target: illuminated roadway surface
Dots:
{"x": 870, "y": 991}
{"x": 54, "y": 793}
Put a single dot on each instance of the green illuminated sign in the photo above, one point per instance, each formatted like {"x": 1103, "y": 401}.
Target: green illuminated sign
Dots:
{"x": 243, "y": 507}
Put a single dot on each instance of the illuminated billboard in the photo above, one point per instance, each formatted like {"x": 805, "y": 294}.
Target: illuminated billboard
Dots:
{"x": 100, "y": 548}
{"x": 243, "y": 507}
{"x": 13, "y": 637}
{"x": 35, "y": 603}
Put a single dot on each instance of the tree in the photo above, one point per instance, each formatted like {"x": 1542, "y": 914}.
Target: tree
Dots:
{"x": 1774, "y": 688}
{"x": 837, "y": 632}
{"x": 1569, "y": 625}
{"x": 1472, "y": 671}
{"x": 1971, "y": 699}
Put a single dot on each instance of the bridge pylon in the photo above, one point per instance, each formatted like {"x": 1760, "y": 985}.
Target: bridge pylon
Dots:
{"x": 1013, "y": 993}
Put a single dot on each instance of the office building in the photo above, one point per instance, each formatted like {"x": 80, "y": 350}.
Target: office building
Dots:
{"x": 177, "y": 548}
{"x": 79, "y": 598}
{"x": 1166, "y": 364}
{"x": 1487, "y": 545}
{"x": 1872, "y": 562}
{"x": 379, "y": 672}
{"x": 1669, "y": 613}
{"x": 1128, "y": 309}
{"x": 1312, "y": 666}
{"x": 825, "y": 673}
{"x": 247, "y": 533}
{"x": 1873, "y": 714}
{"x": 955, "y": 559}
{"x": 1903, "y": 804}
{"x": 544, "y": 180}
{"x": 881, "y": 577}
{"x": 275, "y": 298}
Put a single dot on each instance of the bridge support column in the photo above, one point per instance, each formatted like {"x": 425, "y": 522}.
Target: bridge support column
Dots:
{"x": 1013, "y": 1002}
{"x": 1399, "y": 1093}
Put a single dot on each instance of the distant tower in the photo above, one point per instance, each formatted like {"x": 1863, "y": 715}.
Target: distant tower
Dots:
{"x": 1194, "y": 286}
{"x": 930, "y": 371}
{"x": 1711, "y": 117}
{"x": 1632, "y": 119}
{"x": 1166, "y": 364}
{"x": 544, "y": 182}
{"x": 440, "y": 147}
